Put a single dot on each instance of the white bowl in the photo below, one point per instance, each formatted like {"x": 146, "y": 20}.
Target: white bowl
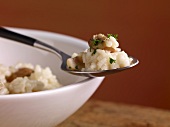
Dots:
{"x": 51, "y": 107}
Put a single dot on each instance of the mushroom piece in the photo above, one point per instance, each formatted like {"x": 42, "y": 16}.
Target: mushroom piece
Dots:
{"x": 75, "y": 63}
{"x": 22, "y": 72}
{"x": 100, "y": 41}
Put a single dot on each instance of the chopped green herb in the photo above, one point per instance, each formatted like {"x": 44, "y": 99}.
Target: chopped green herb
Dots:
{"x": 113, "y": 35}
{"x": 112, "y": 61}
{"x": 109, "y": 35}
{"x": 76, "y": 67}
{"x": 94, "y": 52}
{"x": 96, "y": 42}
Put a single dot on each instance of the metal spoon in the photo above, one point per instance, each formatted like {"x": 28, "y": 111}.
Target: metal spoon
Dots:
{"x": 63, "y": 56}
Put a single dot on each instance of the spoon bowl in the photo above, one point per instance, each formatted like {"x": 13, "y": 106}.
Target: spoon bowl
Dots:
{"x": 5, "y": 33}
{"x": 104, "y": 72}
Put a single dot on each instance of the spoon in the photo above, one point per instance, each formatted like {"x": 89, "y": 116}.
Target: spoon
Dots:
{"x": 5, "y": 33}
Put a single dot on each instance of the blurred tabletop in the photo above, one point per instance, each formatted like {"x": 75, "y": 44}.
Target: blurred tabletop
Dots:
{"x": 97, "y": 113}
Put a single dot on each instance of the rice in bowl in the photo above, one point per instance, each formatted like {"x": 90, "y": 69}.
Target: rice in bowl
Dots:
{"x": 26, "y": 78}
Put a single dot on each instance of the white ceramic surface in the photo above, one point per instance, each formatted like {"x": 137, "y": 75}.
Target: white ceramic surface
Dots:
{"x": 45, "y": 108}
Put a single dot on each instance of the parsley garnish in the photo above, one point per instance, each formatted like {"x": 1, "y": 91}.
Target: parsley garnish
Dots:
{"x": 112, "y": 61}
{"x": 96, "y": 42}
{"x": 94, "y": 52}
{"x": 113, "y": 35}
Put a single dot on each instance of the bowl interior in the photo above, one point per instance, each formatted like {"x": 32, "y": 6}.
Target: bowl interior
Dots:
{"x": 13, "y": 52}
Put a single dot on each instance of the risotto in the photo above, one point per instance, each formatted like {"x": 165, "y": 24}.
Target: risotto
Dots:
{"x": 103, "y": 54}
{"x": 26, "y": 78}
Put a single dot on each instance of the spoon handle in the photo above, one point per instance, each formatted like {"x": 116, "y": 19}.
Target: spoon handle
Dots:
{"x": 5, "y": 33}
{"x": 17, "y": 37}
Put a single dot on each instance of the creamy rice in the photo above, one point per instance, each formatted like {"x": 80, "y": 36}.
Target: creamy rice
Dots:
{"x": 40, "y": 79}
{"x": 103, "y": 54}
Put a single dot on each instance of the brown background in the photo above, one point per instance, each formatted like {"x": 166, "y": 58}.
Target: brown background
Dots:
{"x": 143, "y": 28}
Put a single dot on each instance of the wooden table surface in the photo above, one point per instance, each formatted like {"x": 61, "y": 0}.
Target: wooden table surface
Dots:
{"x": 108, "y": 114}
